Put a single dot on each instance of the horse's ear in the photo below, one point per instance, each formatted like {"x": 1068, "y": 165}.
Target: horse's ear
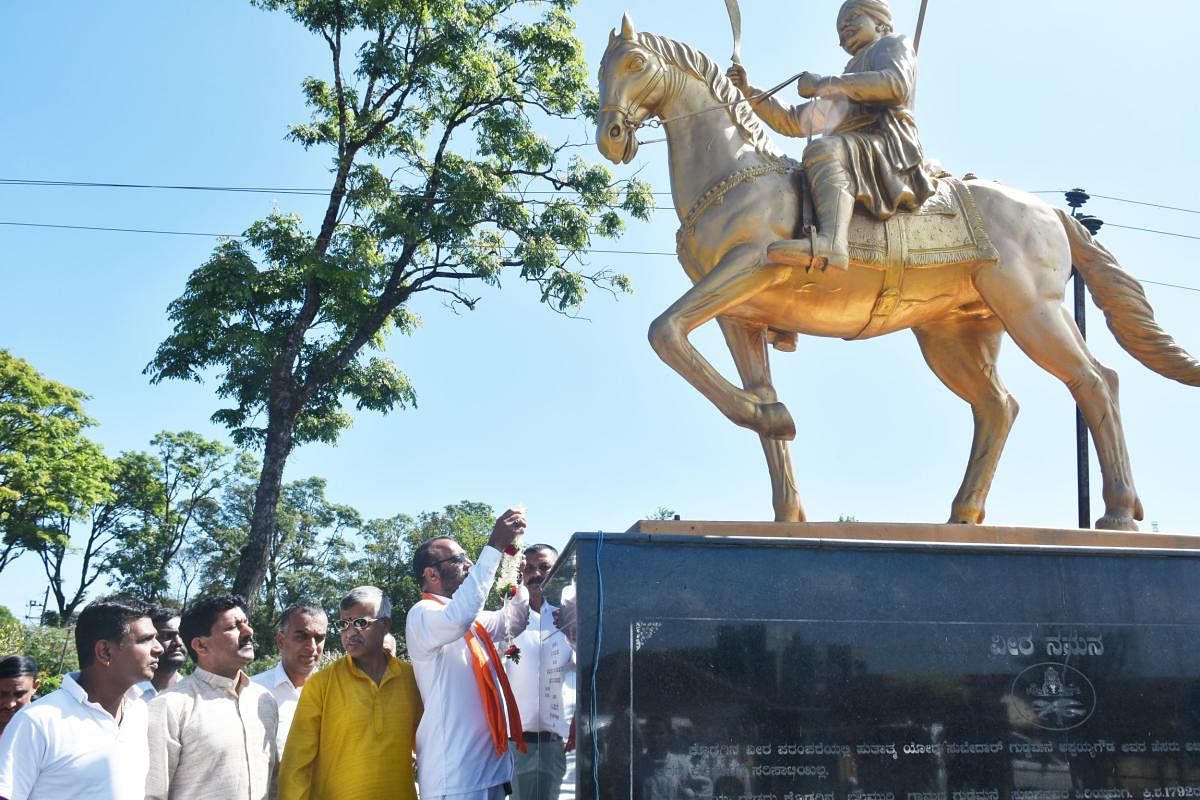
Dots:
{"x": 627, "y": 31}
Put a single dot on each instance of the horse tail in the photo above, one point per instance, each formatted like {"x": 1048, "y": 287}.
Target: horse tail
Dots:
{"x": 1126, "y": 309}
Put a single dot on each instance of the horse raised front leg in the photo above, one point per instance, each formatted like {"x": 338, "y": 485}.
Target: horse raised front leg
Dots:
{"x": 748, "y": 346}
{"x": 963, "y": 356}
{"x": 740, "y": 275}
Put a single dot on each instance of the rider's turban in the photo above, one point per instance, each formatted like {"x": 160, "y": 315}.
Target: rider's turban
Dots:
{"x": 878, "y": 9}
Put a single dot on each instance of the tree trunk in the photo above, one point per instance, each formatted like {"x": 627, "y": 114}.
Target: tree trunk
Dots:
{"x": 256, "y": 555}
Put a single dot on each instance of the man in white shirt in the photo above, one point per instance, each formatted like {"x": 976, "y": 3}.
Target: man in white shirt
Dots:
{"x": 213, "y": 733}
{"x": 301, "y": 641}
{"x": 470, "y": 713}
{"x": 174, "y": 657}
{"x": 543, "y": 680}
{"x": 87, "y": 740}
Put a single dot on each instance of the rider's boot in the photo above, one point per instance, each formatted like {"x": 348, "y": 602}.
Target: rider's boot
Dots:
{"x": 829, "y": 245}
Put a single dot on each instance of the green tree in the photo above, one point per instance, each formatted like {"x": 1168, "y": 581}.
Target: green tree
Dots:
{"x": 388, "y": 546}
{"x": 440, "y": 184}
{"x": 48, "y": 468}
{"x": 135, "y": 497}
{"x": 310, "y": 548}
{"x": 182, "y": 480}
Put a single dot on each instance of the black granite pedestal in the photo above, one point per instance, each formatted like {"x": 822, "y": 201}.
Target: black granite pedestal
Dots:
{"x": 842, "y": 667}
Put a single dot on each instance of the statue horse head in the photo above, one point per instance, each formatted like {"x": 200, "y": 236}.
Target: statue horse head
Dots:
{"x": 644, "y": 76}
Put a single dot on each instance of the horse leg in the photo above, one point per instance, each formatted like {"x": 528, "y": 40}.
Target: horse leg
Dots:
{"x": 1040, "y": 325}
{"x": 963, "y": 355}
{"x": 748, "y": 346}
{"x": 740, "y": 275}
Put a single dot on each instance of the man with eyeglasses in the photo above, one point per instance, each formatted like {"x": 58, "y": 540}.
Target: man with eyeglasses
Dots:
{"x": 352, "y": 733}
{"x": 174, "y": 657}
{"x": 463, "y": 742}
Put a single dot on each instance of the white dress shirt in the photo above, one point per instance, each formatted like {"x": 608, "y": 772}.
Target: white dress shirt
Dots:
{"x": 65, "y": 746}
{"x": 277, "y": 682}
{"x": 455, "y": 754}
{"x": 543, "y": 679}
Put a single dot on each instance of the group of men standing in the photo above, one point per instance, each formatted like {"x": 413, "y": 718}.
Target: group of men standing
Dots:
{"x": 127, "y": 725}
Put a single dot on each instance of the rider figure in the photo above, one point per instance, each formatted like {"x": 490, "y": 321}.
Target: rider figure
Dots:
{"x": 870, "y": 151}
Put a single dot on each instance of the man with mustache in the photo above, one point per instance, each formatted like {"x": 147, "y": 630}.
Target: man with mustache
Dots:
{"x": 87, "y": 740}
{"x": 301, "y": 642}
{"x": 166, "y": 621}
{"x": 463, "y": 739}
{"x": 543, "y": 680}
{"x": 213, "y": 733}
{"x": 352, "y": 736}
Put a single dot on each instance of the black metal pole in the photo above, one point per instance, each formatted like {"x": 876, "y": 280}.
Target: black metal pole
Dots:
{"x": 1075, "y": 199}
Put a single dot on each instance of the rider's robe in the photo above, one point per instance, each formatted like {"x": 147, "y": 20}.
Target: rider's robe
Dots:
{"x": 869, "y": 109}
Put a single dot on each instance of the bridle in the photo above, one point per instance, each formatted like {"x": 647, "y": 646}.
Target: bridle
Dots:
{"x": 628, "y": 109}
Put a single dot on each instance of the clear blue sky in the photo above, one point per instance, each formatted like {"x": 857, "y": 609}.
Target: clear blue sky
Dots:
{"x": 579, "y": 420}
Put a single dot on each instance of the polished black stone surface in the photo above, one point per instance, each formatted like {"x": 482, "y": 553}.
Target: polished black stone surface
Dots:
{"x": 732, "y": 669}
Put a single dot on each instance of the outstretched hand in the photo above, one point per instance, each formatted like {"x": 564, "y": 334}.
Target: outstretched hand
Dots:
{"x": 807, "y": 84}
{"x": 737, "y": 74}
{"x": 508, "y": 527}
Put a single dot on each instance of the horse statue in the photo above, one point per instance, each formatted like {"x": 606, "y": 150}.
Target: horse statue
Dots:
{"x": 736, "y": 194}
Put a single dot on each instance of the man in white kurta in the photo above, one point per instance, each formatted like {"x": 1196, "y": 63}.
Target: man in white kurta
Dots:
{"x": 213, "y": 733}
{"x": 456, "y": 750}
{"x": 543, "y": 680}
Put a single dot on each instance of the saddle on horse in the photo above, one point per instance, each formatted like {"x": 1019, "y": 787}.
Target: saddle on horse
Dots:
{"x": 945, "y": 230}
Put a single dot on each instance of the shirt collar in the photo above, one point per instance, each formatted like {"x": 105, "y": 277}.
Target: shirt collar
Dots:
{"x": 70, "y": 685}
{"x": 280, "y": 677}
{"x": 231, "y": 685}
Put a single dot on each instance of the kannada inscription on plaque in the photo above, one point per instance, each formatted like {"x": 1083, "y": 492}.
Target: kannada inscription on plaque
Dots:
{"x": 728, "y": 709}
{"x": 785, "y": 671}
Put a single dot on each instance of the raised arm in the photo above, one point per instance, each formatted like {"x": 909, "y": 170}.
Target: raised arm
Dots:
{"x": 801, "y": 120}
{"x": 431, "y": 625}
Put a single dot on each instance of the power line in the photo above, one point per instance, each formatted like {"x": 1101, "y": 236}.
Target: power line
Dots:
{"x": 115, "y": 230}
{"x": 190, "y": 188}
{"x": 179, "y": 187}
{"x": 1124, "y": 200}
{"x": 1151, "y": 230}
{"x": 597, "y": 251}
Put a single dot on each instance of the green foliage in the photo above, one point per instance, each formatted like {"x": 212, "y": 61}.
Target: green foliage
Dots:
{"x": 441, "y": 183}
{"x": 388, "y": 545}
{"x": 53, "y": 649}
{"x": 309, "y": 551}
{"x": 12, "y": 637}
{"x": 663, "y": 512}
{"x": 48, "y": 469}
{"x": 452, "y": 93}
{"x": 164, "y": 494}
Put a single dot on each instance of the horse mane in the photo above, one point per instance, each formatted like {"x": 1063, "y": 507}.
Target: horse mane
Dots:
{"x": 702, "y": 67}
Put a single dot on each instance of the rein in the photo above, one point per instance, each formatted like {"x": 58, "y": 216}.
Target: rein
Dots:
{"x": 658, "y": 123}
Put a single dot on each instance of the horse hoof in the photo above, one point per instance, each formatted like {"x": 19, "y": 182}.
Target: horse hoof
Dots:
{"x": 1111, "y": 523}
{"x": 775, "y": 422}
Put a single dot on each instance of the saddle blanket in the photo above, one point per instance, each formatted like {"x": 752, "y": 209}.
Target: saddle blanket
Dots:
{"x": 946, "y": 229}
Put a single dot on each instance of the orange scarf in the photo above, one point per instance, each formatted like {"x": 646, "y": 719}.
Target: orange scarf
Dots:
{"x": 484, "y": 660}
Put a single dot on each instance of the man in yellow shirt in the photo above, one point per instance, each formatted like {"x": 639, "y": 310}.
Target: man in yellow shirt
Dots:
{"x": 352, "y": 735}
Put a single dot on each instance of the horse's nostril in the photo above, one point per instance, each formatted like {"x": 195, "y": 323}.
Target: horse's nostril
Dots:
{"x": 615, "y": 132}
